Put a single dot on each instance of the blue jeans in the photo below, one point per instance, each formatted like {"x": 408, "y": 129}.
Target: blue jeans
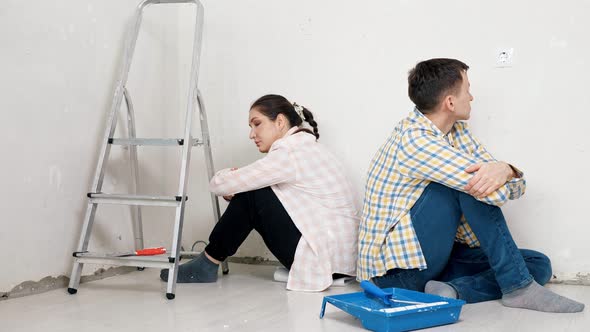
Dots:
{"x": 478, "y": 274}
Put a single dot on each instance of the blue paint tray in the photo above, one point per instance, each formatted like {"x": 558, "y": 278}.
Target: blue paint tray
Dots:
{"x": 408, "y": 310}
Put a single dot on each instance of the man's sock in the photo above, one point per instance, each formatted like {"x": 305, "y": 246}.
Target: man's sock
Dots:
{"x": 537, "y": 297}
{"x": 200, "y": 269}
{"x": 440, "y": 288}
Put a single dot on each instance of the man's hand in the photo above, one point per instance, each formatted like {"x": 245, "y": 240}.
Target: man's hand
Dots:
{"x": 488, "y": 178}
{"x": 229, "y": 197}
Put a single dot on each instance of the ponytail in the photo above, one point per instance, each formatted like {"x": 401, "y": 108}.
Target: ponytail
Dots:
{"x": 273, "y": 105}
{"x": 308, "y": 116}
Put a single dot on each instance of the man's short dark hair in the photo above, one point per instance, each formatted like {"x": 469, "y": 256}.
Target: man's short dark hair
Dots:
{"x": 431, "y": 79}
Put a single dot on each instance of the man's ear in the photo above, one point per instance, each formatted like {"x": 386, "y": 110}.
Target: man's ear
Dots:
{"x": 449, "y": 102}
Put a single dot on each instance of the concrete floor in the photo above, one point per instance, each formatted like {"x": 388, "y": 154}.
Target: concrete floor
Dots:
{"x": 245, "y": 300}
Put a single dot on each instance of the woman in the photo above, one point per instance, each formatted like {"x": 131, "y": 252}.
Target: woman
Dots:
{"x": 297, "y": 197}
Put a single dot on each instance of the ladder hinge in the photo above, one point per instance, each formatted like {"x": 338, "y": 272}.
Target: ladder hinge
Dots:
{"x": 171, "y": 259}
{"x": 110, "y": 141}
{"x": 179, "y": 198}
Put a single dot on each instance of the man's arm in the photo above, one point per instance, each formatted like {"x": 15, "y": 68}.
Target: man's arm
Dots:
{"x": 488, "y": 177}
{"x": 425, "y": 156}
{"x": 482, "y": 183}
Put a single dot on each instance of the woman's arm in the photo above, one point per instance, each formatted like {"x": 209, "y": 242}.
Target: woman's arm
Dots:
{"x": 276, "y": 167}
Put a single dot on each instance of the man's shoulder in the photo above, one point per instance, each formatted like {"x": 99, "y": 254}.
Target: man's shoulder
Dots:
{"x": 413, "y": 127}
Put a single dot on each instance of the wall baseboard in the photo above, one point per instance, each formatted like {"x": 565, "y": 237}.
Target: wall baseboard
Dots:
{"x": 578, "y": 278}
{"x": 50, "y": 283}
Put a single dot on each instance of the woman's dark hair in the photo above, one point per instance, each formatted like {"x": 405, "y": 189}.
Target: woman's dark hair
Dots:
{"x": 273, "y": 105}
{"x": 430, "y": 79}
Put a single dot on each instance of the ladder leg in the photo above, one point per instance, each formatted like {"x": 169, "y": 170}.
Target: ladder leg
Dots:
{"x": 186, "y": 152}
{"x": 136, "y": 210}
{"x": 209, "y": 163}
{"x": 105, "y": 150}
{"x": 179, "y": 217}
{"x": 82, "y": 247}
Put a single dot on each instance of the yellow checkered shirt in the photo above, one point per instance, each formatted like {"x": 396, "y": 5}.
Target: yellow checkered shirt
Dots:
{"x": 415, "y": 154}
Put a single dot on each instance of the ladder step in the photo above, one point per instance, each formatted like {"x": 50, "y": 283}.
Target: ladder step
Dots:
{"x": 152, "y": 141}
{"x": 145, "y": 200}
{"x": 139, "y": 261}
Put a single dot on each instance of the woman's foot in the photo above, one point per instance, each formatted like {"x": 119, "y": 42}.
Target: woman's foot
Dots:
{"x": 200, "y": 269}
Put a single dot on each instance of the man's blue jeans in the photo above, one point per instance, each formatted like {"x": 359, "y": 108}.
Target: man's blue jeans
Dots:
{"x": 478, "y": 274}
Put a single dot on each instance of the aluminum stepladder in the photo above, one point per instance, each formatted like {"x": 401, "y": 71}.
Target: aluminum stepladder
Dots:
{"x": 178, "y": 201}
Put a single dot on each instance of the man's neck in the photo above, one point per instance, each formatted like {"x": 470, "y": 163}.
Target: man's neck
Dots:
{"x": 441, "y": 121}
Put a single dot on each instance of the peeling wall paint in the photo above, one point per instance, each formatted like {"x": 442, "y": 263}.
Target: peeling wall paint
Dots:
{"x": 572, "y": 279}
{"x": 50, "y": 283}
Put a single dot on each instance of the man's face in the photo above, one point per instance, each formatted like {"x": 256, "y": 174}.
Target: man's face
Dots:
{"x": 462, "y": 100}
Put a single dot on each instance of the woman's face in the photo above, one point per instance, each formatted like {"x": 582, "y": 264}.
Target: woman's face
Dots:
{"x": 264, "y": 131}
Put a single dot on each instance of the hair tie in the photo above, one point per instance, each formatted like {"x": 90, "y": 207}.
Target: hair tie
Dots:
{"x": 299, "y": 110}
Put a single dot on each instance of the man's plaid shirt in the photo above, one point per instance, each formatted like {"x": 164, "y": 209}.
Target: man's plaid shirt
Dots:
{"x": 415, "y": 154}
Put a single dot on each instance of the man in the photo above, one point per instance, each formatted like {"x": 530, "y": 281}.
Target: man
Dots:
{"x": 431, "y": 218}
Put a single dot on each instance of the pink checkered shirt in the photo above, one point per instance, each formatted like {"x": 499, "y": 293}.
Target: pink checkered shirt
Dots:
{"x": 310, "y": 183}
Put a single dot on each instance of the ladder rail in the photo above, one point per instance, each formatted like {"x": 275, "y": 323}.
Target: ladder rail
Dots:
{"x": 136, "y": 210}
{"x": 146, "y": 3}
{"x": 130, "y": 43}
{"x": 186, "y": 149}
{"x": 209, "y": 163}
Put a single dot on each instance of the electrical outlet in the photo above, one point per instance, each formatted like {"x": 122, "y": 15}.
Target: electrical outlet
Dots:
{"x": 504, "y": 57}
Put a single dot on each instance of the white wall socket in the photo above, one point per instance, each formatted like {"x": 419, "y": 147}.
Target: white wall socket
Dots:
{"x": 504, "y": 57}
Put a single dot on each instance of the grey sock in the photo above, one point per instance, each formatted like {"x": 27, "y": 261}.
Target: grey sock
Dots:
{"x": 537, "y": 297}
{"x": 200, "y": 269}
{"x": 440, "y": 288}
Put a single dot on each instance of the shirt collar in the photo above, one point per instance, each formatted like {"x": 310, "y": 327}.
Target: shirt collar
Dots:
{"x": 425, "y": 122}
{"x": 291, "y": 131}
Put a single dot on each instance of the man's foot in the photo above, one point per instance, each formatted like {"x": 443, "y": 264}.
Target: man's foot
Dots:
{"x": 200, "y": 269}
{"x": 537, "y": 297}
{"x": 441, "y": 289}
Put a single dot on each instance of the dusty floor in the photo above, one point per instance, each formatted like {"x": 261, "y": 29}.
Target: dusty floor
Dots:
{"x": 245, "y": 300}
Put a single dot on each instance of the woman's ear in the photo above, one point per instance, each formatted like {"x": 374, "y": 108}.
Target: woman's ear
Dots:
{"x": 282, "y": 121}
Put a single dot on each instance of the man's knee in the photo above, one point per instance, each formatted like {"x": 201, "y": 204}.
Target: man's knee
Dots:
{"x": 539, "y": 265}
{"x": 441, "y": 189}
{"x": 436, "y": 196}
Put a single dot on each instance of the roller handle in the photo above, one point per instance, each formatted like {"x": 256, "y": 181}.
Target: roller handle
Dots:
{"x": 371, "y": 289}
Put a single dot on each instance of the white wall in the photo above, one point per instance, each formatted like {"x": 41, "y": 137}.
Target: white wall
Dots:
{"x": 58, "y": 65}
{"x": 347, "y": 61}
